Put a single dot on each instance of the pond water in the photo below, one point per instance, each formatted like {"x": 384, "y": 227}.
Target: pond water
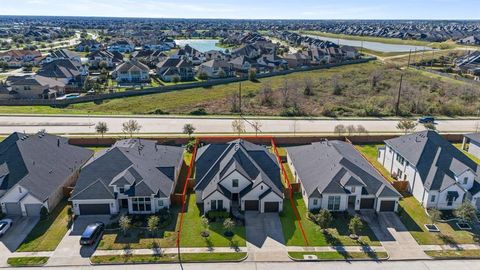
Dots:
{"x": 375, "y": 46}
{"x": 202, "y": 45}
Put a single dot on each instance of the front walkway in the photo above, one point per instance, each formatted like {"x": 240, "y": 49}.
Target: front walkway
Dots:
{"x": 265, "y": 241}
{"x": 394, "y": 236}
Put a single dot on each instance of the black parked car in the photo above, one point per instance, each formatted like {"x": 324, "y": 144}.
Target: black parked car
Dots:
{"x": 92, "y": 233}
{"x": 426, "y": 120}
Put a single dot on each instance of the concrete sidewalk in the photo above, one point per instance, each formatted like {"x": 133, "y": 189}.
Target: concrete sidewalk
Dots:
{"x": 158, "y": 251}
{"x": 337, "y": 248}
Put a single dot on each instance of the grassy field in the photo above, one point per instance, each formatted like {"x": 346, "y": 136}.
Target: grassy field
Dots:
{"x": 414, "y": 218}
{"x": 338, "y": 234}
{"x": 447, "y": 254}
{"x": 137, "y": 239}
{"x": 356, "y": 90}
{"x": 186, "y": 257}
{"x": 48, "y": 233}
{"x": 328, "y": 256}
{"x": 27, "y": 261}
{"x": 369, "y": 151}
{"x": 192, "y": 227}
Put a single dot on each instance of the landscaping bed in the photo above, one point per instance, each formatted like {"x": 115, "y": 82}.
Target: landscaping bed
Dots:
{"x": 27, "y": 261}
{"x": 169, "y": 258}
{"x": 336, "y": 255}
{"x": 338, "y": 234}
{"x": 48, "y": 233}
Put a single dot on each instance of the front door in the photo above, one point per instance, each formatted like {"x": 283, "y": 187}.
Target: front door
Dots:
{"x": 124, "y": 203}
{"x": 235, "y": 197}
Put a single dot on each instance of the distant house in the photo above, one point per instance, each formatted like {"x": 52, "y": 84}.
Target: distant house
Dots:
{"x": 149, "y": 57}
{"x": 241, "y": 64}
{"x": 135, "y": 175}
{"x": 271, "y": 62}
{"x": 247, "y": 50}
{"x": 349, "y": 52}
{"x": 112, "y": 59}
{"x": 62, "y": 54}
{"x": 132, "y": 71}
{"x": 35, "y": 87}
{"x": 469, "y": 64}
{"x": 121, "y": 46}
{"x": 334, "y": 176}
{"x": 6, "y": 92}
{"x": 67, "y": 71}
{"x": 35, "y": 169}
{"x": 439, "y": 175}
{"x": 216, "y": 69}
{"x": 471, "y": 40}
{"x": 471, "y": 143}
{"x": 318, "y": 56}
{"x": 296, "y": 60}
{"x": 172, "y": 68}
{"x": 19, "y": 58}
{"x": 88, "y": 45}
{"x": 238, "y": 175}
{"x": 216, "y": 55}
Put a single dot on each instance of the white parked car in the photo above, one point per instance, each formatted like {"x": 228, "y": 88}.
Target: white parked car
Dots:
{"x": 5, "y": 224}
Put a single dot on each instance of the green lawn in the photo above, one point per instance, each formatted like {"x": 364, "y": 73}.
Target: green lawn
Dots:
{"x": 192, "y": 227}
{"x": 472, "y": 157}
{"x": 27, "y": 261}
{"x": 186, "y": 257}
{"x": 137, "y": 239}
{"x": 338, "y": 234}
{"x": 414, "y": 218}
{"x": 48, "y": 233}
{"x": 340, "y": 255}
{"x": 370, "y": 152}
{"x": 475, "y": 253}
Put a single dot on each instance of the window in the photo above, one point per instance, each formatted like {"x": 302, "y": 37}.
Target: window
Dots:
{"x": 261, "y": 187}
{"x": 160, "y": 203}
{"x": 19, "y": 189}
{"x": 399, "y": 173}
{"x": 433, "y": 198}
{"x": 352, "y": 190}
{"x": 235, "y": 183}
{"x": 121, "y": 190}
{"x": 465, "y": 180}
{"x": 213, "y": 205}
{"x": 141, "y": 204}
{"x": 315, "y": 201}
{"x": 333, "y": 203}
{"x": 400, "y": 159}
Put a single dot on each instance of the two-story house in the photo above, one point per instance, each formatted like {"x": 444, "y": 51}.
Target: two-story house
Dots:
{"x": 439, "y": 175}
{"x": 132, "y": 71}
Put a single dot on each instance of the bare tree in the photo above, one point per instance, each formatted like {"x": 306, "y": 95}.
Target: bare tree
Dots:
{"x": 308, "y": 89}
{"x": 130, "y": 127}
{"x": 376, "y": 77}
{"x": 406, "y": 125}
{"x": 234, "y": 101}
{"x": 339, "y": 129}
{"x": 266, "y": 95}
{"x": 238, "y": 126}
{"x": 351, "y": 129}
{"x": 361, "y": 130}
{"x": 337, "y": 87}
{"x": 256, "y": 125}
{"x": 285, "y": 91}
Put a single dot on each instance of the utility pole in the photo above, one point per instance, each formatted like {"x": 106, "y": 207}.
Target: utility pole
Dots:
{"x": 409, "y": 56}
{"x": 397, "y": 106}
{"x": 414, "y": 56}
{"x": 433, "y": 58}
{"x": 240, "y": 98}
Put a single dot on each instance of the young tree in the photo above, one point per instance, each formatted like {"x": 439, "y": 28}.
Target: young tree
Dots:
{"x": 202, "y": 76}
{"x": 308, "y": 89}
{"x": 238, "y": 126}
{"x": 339, "y": 129}
{"x": 466, "y": 212}
{"x": 130, "y": 127}
{"x": 323, "y": 219}
{"x": 351, "y": 129}
{"x": 361, "y": 130}
{"x": 355, "y": 225}
{"x": 435, "y": 215}
{"x": 430, "y": 126}
{"x": 101, "y": 128}
{"x": 406, "y": 125}
{"x": 188, "y": 129}
{"x": 228, "y": 224}
{"x": 125, "y": 224}
{"x": 252, "y": 75}
{"x": 205, "y": 225}
{"x": 256, "y": 125}
{"x": 152, "y": 224}
{"x": 266, "y": 95}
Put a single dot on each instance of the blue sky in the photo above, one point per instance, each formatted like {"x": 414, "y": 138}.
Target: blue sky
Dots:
{"x": 249, "y": 9}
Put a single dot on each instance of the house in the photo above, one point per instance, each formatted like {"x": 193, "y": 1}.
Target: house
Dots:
{"x": 62, "y": 54}
{"x": 112, "y": 59}
{"x": 271, "y": 62}
{"x": 349, "y": 52}
{"x": 238, "y": 175}
{"x": 6, "y": 92}
{"x": 216, "y": 69}
{"x": 296, "y": 60}
{"x": 439, "y": 175}
{"x": 333, "y": 175}
{"x": 241, "y": 64}
{"x": 471, "y": 40}
{"x": 19, "y": 58}
{"x": 88, "y": 45}
{"x": 150, "y": 58}
{"x": 469, "y": 64}
{"x": 35, "y": 169}
{"x": 217, "y": 55}
{"x": 471, "y": 143}
{"x": 135, "y": 175}
{"x": 35, "y": 87}
{"x": 65, "y": 70}
{"x": 247, "y": 50}
{"x": 121, "y": 46}
{"x": 172, "y": 68}
{"x": 132, "y": 71}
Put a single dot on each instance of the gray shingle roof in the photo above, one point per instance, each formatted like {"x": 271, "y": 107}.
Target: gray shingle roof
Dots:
{"x": 329, "y": 166}
{"x": 473, "y": 137}
{"x": 436, "y": 160}
{"x": 147, "y": 166}
{"x": 41, "y": 163}
{"x": 254, "y": 161}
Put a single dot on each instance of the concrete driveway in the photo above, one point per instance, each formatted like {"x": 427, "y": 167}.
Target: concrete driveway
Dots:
{"x": 69, "y": 251}
{"x": 265, "y": 241}
{"x": 15, "y": 236}
{"x": 395, "y": 237}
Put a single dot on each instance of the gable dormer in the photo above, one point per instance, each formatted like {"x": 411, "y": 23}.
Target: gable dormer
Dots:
{"x": 466, "y": 179}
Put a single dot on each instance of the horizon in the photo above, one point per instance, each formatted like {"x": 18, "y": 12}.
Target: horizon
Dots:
{"x": 445, "y": 10}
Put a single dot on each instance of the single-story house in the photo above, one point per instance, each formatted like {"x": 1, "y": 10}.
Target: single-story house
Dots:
{"x": 35, "y": 169}
{"x": 333, "y": 175}
{"x": 135, "y": 174}
{"x": 238, "y": 175}
{"x": 439, "y": 175}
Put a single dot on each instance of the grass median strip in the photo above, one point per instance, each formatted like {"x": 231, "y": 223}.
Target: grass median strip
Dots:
{"x": 338, "y": 255}
{"x": 27, "y": 261}
{"x": 447, "y": 254}
{"x": 186, "y": 257}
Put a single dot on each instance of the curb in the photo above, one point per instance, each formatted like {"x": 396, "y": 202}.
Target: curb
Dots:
{"x": 173, "y": 262}
{"x": 340, "y": 260}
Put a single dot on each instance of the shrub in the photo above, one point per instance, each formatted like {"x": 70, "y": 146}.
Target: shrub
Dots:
{"x": 199, "y": 111}
{"x": 218, "y": 214}
{"x": 159, "y": 112}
